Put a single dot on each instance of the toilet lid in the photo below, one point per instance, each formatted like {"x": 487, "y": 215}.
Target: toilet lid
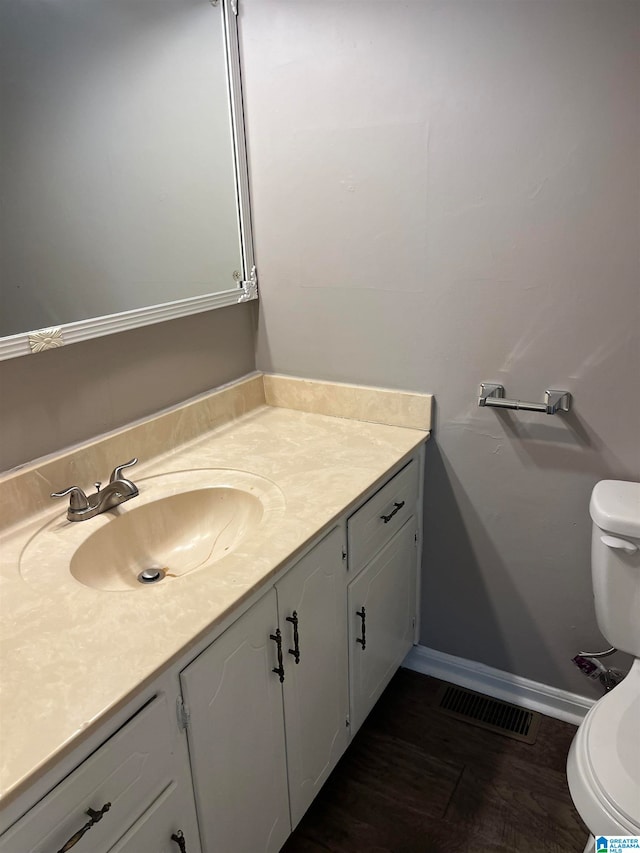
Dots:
{"x": 613, "y": 747}
{"x": 615, "y": 506}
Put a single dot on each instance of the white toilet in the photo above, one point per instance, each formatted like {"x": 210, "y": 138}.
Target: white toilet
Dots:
{"x": 603, "y": 767}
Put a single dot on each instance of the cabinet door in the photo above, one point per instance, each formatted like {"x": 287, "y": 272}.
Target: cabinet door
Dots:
{"x": 311, "y": 603}
{"x": 170, "y": 815}
{"x": 382, "y": 601}
{"x": 236, "y": 737}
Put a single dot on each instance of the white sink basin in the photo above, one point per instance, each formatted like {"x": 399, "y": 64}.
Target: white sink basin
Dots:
{"x": 167, "y": 537}
{"x": 179, "y": 523}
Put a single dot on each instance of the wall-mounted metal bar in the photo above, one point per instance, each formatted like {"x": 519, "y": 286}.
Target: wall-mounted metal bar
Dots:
{"x": 554, "y": 401}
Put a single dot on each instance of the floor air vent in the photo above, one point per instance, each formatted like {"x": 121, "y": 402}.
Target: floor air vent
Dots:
{"x": 492, "y": 714}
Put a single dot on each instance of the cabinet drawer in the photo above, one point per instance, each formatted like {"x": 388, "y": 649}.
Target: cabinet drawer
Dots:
{"x": 157, "y": 830}
{"x": 130, "y": 771}
{"x": 377, "y": 521}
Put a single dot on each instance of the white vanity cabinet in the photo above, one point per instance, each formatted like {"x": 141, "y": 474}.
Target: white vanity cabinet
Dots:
{"x": 141, "y": 774}
{"x": 246, "y": 690}
{"x": 383, "y": 554}
{"x": 268, "y": 707}
{"x": 296, "y": 669}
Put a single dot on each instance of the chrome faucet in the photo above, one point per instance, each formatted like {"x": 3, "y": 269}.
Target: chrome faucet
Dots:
{"x": 117, "y": 491}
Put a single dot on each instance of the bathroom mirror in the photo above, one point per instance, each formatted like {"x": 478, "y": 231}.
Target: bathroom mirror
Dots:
{"x": 123, "y": 169}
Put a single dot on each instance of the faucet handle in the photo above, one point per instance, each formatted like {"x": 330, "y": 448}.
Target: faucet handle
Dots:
{"x": 78, "y": 499}
{"x": 116, "y": 474}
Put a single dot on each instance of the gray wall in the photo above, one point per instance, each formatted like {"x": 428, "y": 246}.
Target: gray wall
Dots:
{"x": 446, "y": 193}
{"x": 57, "y": 398}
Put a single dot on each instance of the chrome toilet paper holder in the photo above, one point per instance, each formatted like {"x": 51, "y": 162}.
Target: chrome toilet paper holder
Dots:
{"x": 492, "y": 394}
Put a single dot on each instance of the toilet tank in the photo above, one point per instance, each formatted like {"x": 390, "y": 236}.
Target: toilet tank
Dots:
{"x": 615, "y": 562}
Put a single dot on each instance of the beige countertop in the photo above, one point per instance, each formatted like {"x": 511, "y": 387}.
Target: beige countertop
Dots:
{"x": 64, "y": 644}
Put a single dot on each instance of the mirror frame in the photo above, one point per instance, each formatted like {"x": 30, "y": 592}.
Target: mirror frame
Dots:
{"x": 25, "y": 343}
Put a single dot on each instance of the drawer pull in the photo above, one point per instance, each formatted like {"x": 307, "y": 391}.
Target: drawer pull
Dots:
{"x": 94, "y": 817}
{"x": 295, "y": 651}
{"x": 277, "y": 639}
{"x": 362, "y": 640}
{"x": 396, "y": 508}
{"x": 178, "y": 837}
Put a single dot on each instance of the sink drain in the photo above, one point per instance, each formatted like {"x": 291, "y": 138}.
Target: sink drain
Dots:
{"x": 151, "y": 575}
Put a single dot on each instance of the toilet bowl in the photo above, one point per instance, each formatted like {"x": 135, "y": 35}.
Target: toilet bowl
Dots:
{"x": 603, "y": 767}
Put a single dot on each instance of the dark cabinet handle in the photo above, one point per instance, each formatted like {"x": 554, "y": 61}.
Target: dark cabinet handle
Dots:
{"x": 94, "y": 817}
{"x": 295, "y": 651}
{"x": 279, "y": 670}
{"x": 178, "y": 837}
{"x": 362, "y": 640}
{"x": 396, "y": 508}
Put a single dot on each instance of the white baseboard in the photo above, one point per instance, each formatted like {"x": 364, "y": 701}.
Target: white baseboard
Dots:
{"x": 560, "y": 704}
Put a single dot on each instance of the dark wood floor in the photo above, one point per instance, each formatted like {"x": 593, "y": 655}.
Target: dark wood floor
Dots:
{"x": 414, "y": 780}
